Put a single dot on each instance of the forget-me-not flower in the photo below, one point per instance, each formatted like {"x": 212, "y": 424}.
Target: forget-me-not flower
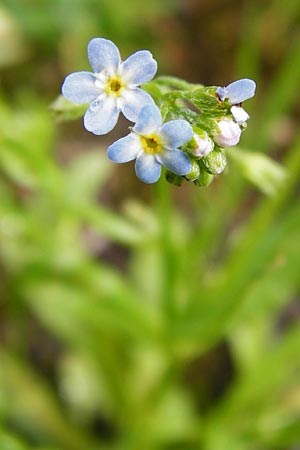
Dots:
{"x": 113, "y": 87}
{"x": 238, "y": 91}
{"x": 154, "y": 144}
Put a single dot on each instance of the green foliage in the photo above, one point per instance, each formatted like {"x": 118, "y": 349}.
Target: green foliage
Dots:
{"x": 100, "y": 354}
{"x": 261, "y": 170}
{"x": 64, "y": 110}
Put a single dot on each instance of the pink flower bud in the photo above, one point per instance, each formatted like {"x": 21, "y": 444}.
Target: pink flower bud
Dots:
{"x": 228, "y": 133}
{"x": 204, "y": 146}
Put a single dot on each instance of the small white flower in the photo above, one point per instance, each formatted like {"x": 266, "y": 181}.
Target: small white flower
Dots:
{"x": 239, "y": 114}
{"x": 228, "y": 133}
{"x": 113, "y": 87}
{"x": 204, "y": 145}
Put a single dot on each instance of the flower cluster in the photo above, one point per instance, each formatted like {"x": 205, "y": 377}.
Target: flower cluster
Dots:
{"x": 188, "y": 144}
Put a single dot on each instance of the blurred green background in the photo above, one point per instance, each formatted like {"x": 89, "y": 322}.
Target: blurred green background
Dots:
{"x": 138, "y": 317}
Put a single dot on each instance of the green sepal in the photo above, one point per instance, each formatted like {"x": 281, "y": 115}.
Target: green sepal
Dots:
{"x": 207, "y": 102}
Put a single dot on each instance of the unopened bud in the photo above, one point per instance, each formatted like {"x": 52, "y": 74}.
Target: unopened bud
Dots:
{"x": 172, "y": 178}
{"x": 203, "y": 145}
{"x": 195, "y": 171}
{"x": 228, "y": 133}
{"x": 204, "y": 179}
{"x": 215, "y": 162}
{"x": 239, "y": 114}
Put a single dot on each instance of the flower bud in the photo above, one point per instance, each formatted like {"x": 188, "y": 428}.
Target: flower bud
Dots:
{"x": 239, "y": 114}
{"x": 172, "y": 178}
{"x": 203, "y": 145}
{"x": 215, "y": 162}
{"x": 204, "y": 179}
{"x": 195, "y": 171}
{"x": 228, "y": 133}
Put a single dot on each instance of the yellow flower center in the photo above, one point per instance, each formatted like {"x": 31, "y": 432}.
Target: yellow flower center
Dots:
{"x": 114, "y": 86}
{"x": 151, "y": 144}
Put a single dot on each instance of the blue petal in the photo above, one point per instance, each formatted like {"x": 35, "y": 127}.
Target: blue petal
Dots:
{"x": 239, "y": 114}
{"x": 103, "y": 54}
{"x": 148, "y": 121}
{"x": 241, "y": 90}
{"x": 139, "y": 68}
{"x": 132, "y": 101}
{"x": 102, "y": 115}
{"x": 125, "y": 149}
{"x": 176, "y": 161}
{"x": 176, "y": 133}
{"x": 221, "y": 91}
{"x": 147, "y": 168}
{"x": 79, "y": 88}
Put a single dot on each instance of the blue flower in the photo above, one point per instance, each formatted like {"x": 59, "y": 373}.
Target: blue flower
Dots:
{"x": 238, "y": 91}
{"x": 113, "y": 87}
{"x": 154, "y": 144}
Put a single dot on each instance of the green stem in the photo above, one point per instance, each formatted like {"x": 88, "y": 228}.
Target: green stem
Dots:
{"x": 176, "y": 83}
{"x": 164, "y": 209}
